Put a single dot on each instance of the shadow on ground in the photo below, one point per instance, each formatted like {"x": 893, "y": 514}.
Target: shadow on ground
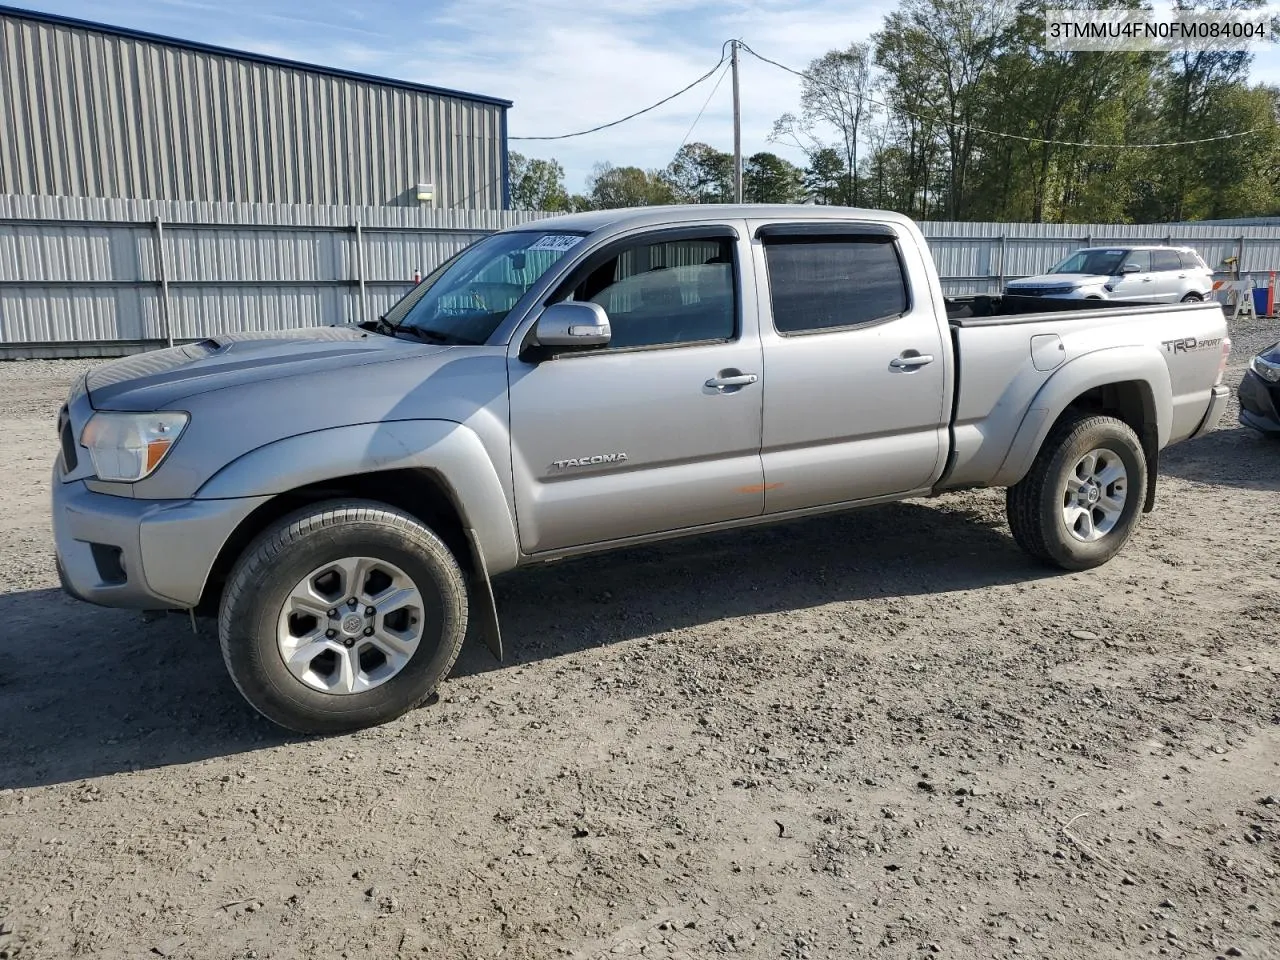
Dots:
{"x": 899, "y": 550}
{"x": 87, "y": 691}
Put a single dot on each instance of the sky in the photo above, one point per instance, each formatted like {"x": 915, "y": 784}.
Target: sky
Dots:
{"x": 566, "y": 64}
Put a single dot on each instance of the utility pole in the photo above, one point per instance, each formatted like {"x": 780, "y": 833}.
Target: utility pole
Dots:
{"x": 737, "y": 126}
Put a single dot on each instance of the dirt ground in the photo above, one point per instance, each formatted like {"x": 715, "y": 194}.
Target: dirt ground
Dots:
{"x": 883, "y": 734}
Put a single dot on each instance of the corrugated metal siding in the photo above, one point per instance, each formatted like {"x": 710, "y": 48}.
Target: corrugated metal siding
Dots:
{"x": 977, "y": 257}
{"x": 83, "y": 270}
{"x": 84, "y": 113}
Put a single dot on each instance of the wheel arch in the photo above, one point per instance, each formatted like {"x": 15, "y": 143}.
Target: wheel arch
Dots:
{"x": 417, "y": 492}
{"x": 437, "y": 471}
{"x": 1128, "y": 383}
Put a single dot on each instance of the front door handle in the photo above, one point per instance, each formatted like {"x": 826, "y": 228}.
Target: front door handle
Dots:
{"x": 740, "y": 380}
{"x": 911, "y": 362}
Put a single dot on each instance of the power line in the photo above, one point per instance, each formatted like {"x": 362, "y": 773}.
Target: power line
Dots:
{"x": 632, "y": 116}
{"x": 996, "y": 133}
{"x": 688, "y": 134}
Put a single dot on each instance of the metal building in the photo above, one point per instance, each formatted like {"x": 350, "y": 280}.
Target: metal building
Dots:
{"x": 89, "y": 110}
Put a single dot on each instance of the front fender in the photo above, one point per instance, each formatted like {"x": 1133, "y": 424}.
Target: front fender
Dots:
{"x": 449, "y": 449}
{"x": 1095, "y": 369}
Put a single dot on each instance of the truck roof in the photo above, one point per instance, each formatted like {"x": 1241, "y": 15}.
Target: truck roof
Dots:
{"x": 594, "y": 220}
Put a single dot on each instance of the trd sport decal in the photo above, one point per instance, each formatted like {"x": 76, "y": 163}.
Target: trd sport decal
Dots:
{"x": 1187, "y": 344}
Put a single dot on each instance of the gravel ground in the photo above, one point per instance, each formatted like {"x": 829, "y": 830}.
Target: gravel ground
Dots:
{"x": 883, "y": 734}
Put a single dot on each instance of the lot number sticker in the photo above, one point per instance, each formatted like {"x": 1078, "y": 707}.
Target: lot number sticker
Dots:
{"x": 558, "y": 242}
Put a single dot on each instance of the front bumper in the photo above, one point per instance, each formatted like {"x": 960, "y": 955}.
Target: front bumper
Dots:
{"x": 1217, "y": 405}
{"x": 145, "y": 554}
{"x": 1096, "y": 293}
{"x": 1259, "y": 403}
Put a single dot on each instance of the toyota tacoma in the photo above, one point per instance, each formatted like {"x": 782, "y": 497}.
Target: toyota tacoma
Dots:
{"x": 340, "y": 497}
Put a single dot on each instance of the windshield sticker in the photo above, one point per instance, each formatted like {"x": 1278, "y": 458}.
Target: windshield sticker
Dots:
{"x": 1114, "y": 253}
{"x": 559, "y": 242}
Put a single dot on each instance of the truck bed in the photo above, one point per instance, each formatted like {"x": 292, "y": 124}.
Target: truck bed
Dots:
{"x": 1009, "y": 349}
{"x": 1013, "y": 308}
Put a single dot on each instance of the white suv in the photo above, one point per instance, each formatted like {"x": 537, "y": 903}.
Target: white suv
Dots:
{"x": 1148, "y": 274}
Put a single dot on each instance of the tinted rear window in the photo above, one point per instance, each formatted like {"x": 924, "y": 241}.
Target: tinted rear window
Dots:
{"x": 1165, "y": 260}
{"x": 820, "y": 284}
{"x": 1140, "y": 258}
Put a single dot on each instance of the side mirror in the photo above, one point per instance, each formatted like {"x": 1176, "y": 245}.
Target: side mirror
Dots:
{"x": 573, "y": 325}
{"x": 1130, "y": 268}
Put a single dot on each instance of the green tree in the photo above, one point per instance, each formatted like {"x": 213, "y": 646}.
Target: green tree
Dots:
{"x": 1053, "y": 99}
{"x": 825, "y": 178}
{"x": 1202, "y": 94}
{"x": 768, "y": 178}
{"x": 700, "y": 174}
{"x": 536, "y": 184}
{"x": 938, "y": 56}
{"x": 834, "y": 97}
{"x": 612, "y": 187}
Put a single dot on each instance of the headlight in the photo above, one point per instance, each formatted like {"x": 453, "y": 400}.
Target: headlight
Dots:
{"x": 129, "y": 446}
{"x": 1268, "y": 370}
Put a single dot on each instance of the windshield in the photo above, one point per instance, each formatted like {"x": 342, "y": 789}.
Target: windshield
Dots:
{"x": 1101, "y": 263}
{"x": 465, "y": 298}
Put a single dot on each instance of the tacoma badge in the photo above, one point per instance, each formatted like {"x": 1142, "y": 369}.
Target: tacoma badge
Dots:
{"x": 589, "y": 461}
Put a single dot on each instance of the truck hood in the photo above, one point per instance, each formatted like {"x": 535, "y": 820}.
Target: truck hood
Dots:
{"x": 155, "y": 380}
{"x": 1058, "y": 280}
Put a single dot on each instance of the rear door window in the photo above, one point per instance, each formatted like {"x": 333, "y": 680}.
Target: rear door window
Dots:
{"x": 1165, "y": 260}
{"x": 1141, "y": 258}
{"x": 833, "y": 282}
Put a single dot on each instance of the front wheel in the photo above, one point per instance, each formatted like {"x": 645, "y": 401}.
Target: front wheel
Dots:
{"x": 341, "y": 616}
{"x": 1080, "y": 500}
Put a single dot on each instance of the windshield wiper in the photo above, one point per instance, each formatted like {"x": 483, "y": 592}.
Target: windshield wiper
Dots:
{"x": 434, "y": 336}
{"x": 381, "y": 325}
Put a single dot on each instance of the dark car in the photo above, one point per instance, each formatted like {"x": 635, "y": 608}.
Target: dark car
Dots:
{"x": 1260, "y": 392}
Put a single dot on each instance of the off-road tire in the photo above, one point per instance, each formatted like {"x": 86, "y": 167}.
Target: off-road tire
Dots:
{"x": 281, "y": 556}
{"x": 1034, "y": 504}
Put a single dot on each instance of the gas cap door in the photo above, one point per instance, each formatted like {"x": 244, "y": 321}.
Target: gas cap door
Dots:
{"x": 1047, "y": 351}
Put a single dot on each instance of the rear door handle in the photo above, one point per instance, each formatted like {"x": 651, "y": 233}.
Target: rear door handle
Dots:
{"x": 910, "y": 363}
{"x": 741, "y": 380}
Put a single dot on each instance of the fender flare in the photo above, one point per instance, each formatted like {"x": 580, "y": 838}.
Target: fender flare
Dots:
{"x": 452, "y": 451}
{"x": 1097, "y": 368}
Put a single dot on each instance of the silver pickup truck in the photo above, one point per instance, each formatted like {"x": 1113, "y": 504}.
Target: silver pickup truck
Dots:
{"x": 341, "y": 496}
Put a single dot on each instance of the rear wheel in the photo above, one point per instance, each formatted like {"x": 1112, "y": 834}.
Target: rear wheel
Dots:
{"x": 341, "y": 616}
{"x": 1193, "y": 297}
{"x": 1079, "y": 502}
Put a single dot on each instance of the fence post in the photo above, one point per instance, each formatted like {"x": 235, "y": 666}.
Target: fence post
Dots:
{"x": 364, "y": 310}
{"x": 163, "y": 276}
{"x": 1003, "y": 251}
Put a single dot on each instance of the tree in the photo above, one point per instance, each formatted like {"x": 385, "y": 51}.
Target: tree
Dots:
{"x": 536, "y": 184}
{"x": 834, "y": 97}
{"x": 1055, "y": 99}
{"x": 825, "y": 179}
{"x": 939, "y": 55}
{"x": 700, "y": 174}
{"x": 1197, "y": 91}
{"x": 612, "y": 187}
{"x": 768, "y": 178}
